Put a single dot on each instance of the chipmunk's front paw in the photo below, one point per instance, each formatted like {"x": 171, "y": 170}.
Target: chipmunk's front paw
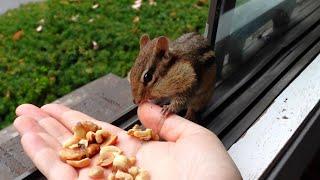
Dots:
{"x": 166, "y": 110}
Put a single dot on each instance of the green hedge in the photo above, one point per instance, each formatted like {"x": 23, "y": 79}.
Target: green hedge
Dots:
{"x": 40, "y": 67}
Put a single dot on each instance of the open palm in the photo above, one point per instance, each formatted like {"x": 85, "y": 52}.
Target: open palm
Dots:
{"x": 188, "y": 152}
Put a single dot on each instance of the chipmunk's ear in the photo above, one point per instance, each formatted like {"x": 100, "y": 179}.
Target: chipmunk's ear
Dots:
{"x": 144, "y": 40}
{"x": 162, "y": 46}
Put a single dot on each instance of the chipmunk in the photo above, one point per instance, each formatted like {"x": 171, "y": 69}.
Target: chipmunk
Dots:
{"x": 182, "y": 71}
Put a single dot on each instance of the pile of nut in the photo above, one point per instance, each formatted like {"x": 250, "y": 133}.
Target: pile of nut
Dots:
{"x": 143, "y": 134}
{"x": 89, "y": 140}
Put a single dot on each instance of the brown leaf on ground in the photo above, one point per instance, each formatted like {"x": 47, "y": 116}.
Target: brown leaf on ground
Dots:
{"x": 18, "y": 35}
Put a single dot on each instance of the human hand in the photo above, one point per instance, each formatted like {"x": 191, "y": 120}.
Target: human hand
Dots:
{"x": 189, "y": 152}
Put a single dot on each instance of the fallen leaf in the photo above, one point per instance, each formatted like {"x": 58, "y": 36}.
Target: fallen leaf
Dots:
{"x": 18, "y": 35}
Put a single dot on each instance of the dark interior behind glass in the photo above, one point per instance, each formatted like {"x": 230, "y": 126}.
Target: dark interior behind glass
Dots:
{"x": 246, "y": 26}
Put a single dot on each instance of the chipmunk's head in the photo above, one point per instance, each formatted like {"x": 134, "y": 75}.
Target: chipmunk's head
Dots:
{"x": 148, "y": 68}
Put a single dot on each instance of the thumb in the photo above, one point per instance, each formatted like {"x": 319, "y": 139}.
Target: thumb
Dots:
{"x": 171, "y": 128}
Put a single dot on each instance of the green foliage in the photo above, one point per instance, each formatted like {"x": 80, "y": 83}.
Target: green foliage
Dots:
{"x": 43, "y": 66}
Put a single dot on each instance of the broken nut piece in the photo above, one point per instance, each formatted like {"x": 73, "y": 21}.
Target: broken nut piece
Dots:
{"x": 143, "y": 175}
{"x": 101, "y": 135}
{"x": 123, "y": 175}
{"x": 132, "y": 160}
{"x": 91, "y": 137}
{"x": 71, "y": 141}
{"x": 96, "y": 172}
{"x": 79, "y": 163}
{"x": 79, "y": 131}
{"x": 111, "y": 140}
{"x": 121, "y": 162}
{"x": 134, "y": 170}
{"x": 145, "y": 135}
{"x": 106, "y": 159}
{"x": 83, "y": 143}
{"x": 90, "y": 126}
{"x": 113, "y": 149}
{"x": 72, "y": 154}
{"x": 111, "y": 176}
{"x": 93, "y": 149}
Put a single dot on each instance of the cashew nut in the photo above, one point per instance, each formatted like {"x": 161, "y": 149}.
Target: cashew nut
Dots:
{"x": 90, "y": 126}
{"x": 101, "y": 135}
{"x": 93, "y": 149}
{"x": 121, "y": 162}
{"x": 142, "y": 175}
{"x": 111, "y": 176}
{"x": 111, "y": 140}
{"x": 72, "y": 154}
{"x": 90, "y": 136}
{"x": 96, "y": 172}
{"x": 106, "y": 159}
{"x": 79, "y": 131}
{"x": 123, "y": 175}
{"x": 71, "y": 141}
{"x": 134, "y": 170}
{"x": 80, "y": 163}
{"x": 112, "y": 149}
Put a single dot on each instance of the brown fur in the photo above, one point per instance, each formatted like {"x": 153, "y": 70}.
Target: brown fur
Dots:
{"x": 182, "y": 70}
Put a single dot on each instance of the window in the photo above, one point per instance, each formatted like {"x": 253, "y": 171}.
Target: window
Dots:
{"x": 245, "y": 26}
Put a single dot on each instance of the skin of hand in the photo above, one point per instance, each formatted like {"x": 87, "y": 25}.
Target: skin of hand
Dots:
{"x": 188, "y": 152}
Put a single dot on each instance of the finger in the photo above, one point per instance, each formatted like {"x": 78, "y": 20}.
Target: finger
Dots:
{"x": 45, "y": 158}
{"x": 26, "y": 124}
{"x": 171, "y": 128}
{"x": 70, "y": 117}
{"x": 49, "y": 124}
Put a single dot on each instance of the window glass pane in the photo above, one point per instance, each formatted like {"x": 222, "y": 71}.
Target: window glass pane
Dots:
{"x": 247, "y": 26}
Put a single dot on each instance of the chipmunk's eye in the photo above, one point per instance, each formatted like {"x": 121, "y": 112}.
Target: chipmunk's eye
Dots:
{"x": 147, "y": 77}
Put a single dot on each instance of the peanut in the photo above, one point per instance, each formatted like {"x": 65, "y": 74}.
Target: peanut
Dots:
{"x": 101, "y": 135}
{"x": 93, "y": 149}
{"x": 96, "y": 172}
{"x": 123, "y": 175}
{"x": 72, "y": 154}
{"x": 106, "y": 160}
{"x": 142, "y": 175}
{"x": 121, "y": 162}
{"x": 80, "y": 163}
{"x": 91, "y": 137}
{"x": 90, "y": 126}
{"x": 134, "y": 170}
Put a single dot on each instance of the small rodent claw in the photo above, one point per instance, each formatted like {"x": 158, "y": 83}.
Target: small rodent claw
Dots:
{"x": 166, "y": 110}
